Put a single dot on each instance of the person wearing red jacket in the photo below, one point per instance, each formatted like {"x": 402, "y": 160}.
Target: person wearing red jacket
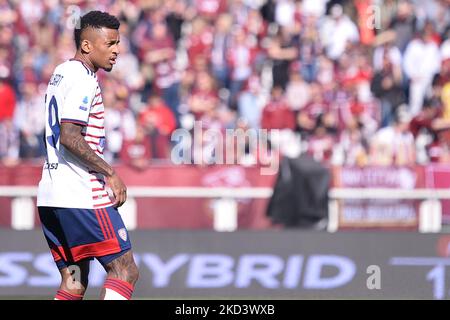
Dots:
{"x": 277, "y": 114}
{"x": 7, "y": 100}
{"x": 9, "y": 147}
{"x": 159, "y": 122}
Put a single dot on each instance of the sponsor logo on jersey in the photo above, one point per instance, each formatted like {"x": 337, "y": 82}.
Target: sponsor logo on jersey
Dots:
{"x": 102, "y": 142}
{"x": 83, "y": 108}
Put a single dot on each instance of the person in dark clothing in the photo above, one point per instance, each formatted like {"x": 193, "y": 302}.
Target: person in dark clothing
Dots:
{"x": 387, "y": 86}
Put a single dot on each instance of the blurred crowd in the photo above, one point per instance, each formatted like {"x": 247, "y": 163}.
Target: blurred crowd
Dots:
{"x": 351, "y": 82}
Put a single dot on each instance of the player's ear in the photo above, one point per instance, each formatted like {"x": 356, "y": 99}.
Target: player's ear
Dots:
{"x": 86, "y": 46}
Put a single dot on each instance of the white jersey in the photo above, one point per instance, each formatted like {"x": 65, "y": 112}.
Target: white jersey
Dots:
{"x": 73, "y": 95}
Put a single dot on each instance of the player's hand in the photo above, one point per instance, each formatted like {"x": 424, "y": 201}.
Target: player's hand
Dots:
{"x": 119, "y": 190}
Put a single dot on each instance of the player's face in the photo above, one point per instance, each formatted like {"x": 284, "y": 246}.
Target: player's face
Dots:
{"x": 106, "y": 49}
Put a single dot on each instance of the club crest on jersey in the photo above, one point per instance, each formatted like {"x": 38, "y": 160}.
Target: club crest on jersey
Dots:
{"x": 123, "y": 234}
{"x": 85, "y": 100}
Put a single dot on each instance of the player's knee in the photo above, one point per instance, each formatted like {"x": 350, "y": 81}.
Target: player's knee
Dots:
{"x": 124, "y": 268}
{"x": 128, "y": 273}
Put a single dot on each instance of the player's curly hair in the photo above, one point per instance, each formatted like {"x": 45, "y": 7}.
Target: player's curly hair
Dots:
{"x": 95, "y": 19}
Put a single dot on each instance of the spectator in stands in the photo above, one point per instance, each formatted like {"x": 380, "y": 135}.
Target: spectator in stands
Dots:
{"x": 321, "y": 142}
{"x": 394, "y": 145}
{"x": 387, "y": 86}
{"x": 298, "y": 90}
{"x": 9, "y": 146}
{"x": 404, "y": 24}
{"x": 7, "y": 96}
{"x": 241, "y": 56}
{"x": 220, "y": 47}
{"x": 250, "y": 101}
{"x": 178, "y": 12}
{"x": 337, "y": 32}
{"x": 353, "y": 145}
{"x": 425, "y": 128}
{"x": 200, "y": 40}
{"x": 160, "y": 54}
{"x": 277, "y": 114}
{"x": 388, "y": 9}
{"x": 307, "y": 117}
{"x": 137, "y": 152}
{"x": 282, "y": 51}
{"x": 158, "y": 121}
{"x": 204, "y": 96}
{"x": 210, "y": 9}
{"x": 310, "y": 49}
{"x": 385, "y": 48}
{"x": 285, "y": 13}
{"x": 120, "y": 122}
{"x": 445, "y": 47}
{"x": 421, "y": 62}
{"x": 30, "y": 121}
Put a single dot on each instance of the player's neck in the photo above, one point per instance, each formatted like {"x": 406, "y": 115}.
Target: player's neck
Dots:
{"x": 80, "y": 57}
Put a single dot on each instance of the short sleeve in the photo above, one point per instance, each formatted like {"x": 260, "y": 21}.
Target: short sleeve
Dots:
{"x": 78, "y": 100}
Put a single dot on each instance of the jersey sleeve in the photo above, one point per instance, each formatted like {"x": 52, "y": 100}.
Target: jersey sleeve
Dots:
{"x": 78, "y": 100}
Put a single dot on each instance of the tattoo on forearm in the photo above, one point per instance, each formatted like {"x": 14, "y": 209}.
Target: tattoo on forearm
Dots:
{"x": 73, "y": 140}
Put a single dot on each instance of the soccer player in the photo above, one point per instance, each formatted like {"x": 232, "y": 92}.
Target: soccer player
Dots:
{"x": 79, "y": 218}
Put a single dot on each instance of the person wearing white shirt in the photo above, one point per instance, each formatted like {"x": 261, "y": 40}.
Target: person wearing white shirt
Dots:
{"x": 422, "y": 60}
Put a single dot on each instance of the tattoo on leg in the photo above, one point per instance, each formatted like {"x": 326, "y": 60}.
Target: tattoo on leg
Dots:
{"x": 123, "y": 268}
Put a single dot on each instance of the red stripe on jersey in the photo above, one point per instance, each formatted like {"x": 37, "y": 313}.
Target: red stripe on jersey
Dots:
{"x": 97, "y": 113}
{"x": 98, "y": 189}
{"x": 102, "y": 204}
{"x": 97, "y": 127}
{"x": 91, "y": 135}
{"x": 98, "y": 103}
{"x": 93, "y": 142}
{"x": 96, "y": 117}
{"x": 99, "y": 180}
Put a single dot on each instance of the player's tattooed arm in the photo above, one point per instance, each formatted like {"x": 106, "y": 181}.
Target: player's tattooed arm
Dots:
{"x": 72, "y": 139}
